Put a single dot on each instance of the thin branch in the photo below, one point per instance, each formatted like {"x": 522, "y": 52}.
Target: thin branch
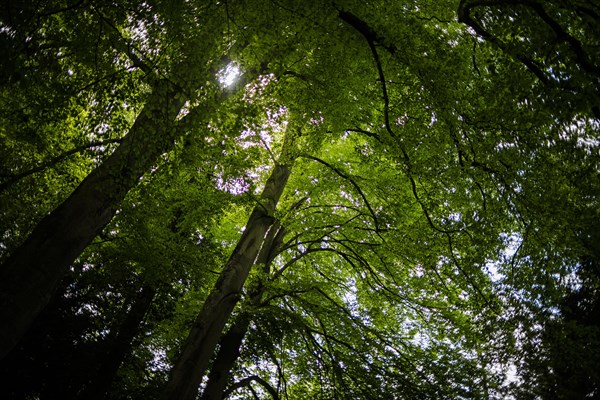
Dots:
{"x": 297, "y": 258}
{"x": 266, "y": 145}
{"x": 430, "y": 222}
{"x": 464, "y": 16}
{"x": 473, "y": 58}
{"x": 296, "y": 75}
{"x": 360, "y": 324}
{"x": 371, "y": 37}
{"x": 582, "y": 58}
{"x": 365, "y": 132}
{"x": 344, "y": 206}
{"x": 349, "y": 179}
{"x": 333, "y": 228}
{"x": 295, "y": 206}
{"x": 52, "y": 162}
{"x": 134, "y": 58}
{"x": 468, "y": 277}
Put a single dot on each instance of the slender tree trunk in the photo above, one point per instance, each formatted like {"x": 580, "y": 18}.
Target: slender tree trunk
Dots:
{"x": 119, "y": 347}
{"x": 188, "y": 371}
{"x": 30, "y": 275}
{"x": 231, "y": 343}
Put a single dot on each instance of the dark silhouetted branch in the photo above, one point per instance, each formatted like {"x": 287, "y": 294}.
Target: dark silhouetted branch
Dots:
{"x": 247, "y": 381}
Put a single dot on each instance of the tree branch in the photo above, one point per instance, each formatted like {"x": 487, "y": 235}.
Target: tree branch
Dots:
{"x": 128, "y": 47}
{"x": 464, "y": 16}
{"x": 366, "y": 133}
{"x": 52, "y": 162}
{"x": 349, "y": 179}
{"x": 371, "y": 37}
{"x": 247, "y": 381}
{"x": 581, "y": 56}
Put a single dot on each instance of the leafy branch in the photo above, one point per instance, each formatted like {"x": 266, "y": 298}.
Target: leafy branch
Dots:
{"x": 354, "y": 184}
{"x": 581, "y": 57}
{"x": 371, "y": 38}
{"x": 126, "y": 45}
{"x": 54, "y": 161}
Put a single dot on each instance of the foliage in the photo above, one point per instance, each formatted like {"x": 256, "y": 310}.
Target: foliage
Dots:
{"x": 440, "y": 218}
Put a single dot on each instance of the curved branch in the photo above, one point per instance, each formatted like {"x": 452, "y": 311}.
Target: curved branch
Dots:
{"x": 247, "y": 381}
{"x": 307, "y": 329}
{"x": 297, "y": 258}
{"x": 361, "y": 325}
{"x": 469, "y": 279}
{"x": 430, "y": 222}
{"x": 365, "y": 132}
{"x": 364, "y": 29}
{"x": 580, "y": 54}
{"x": 349, "y": 179}
{"x": 371, "y": 37}
{"x": 334, "y": 206}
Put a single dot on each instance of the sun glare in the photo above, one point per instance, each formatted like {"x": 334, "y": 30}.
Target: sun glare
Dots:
{"x": 229, "y": 74}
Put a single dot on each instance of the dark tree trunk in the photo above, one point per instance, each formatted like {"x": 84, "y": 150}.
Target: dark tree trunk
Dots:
{"x": 119, "y": 345}
{"x": 30, "y": 275}
{"x": 188, "y": 371}
{"x": 229, "y": 351}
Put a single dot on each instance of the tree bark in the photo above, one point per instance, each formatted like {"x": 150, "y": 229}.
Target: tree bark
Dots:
{"x": 188, "y": 371}
{"x": 231, "y": 343}
{"x": 30, "y": 275}
{"x": 119, "y": 347}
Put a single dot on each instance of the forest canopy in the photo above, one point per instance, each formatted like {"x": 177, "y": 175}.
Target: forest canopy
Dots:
{"x": 278, "y": 199}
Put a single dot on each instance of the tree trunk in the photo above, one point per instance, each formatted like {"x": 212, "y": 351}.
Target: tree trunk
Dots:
{"x": 119, "y": 347}
{"x": 229, "y": 351}
{"x": 231, "y": 343}
{"x": 188, "y": 371}
{"x": 30, "y": 275}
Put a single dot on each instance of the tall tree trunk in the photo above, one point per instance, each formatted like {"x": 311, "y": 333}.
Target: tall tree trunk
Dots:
{"x": 188, "y": 371}
{"x": 30, "y": 275}
{"x": 119, "y": 346}
{"x": 231, "y": 343}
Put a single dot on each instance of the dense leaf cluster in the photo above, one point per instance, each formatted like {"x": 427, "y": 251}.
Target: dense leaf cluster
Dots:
{"x": 390, "y": 200}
